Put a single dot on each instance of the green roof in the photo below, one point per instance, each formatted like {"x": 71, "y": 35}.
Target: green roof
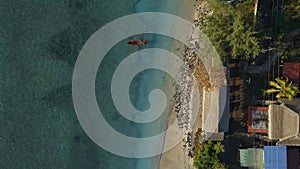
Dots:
{"x": 253, "y": 158}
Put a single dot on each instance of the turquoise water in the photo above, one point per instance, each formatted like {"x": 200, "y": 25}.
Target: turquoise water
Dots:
{"x": 39, "y": 44}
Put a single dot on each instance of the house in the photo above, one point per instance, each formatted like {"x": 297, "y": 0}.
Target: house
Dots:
{"x": 258, "y": 119}
{"x": 275, "y": 157}
{"x": 253, "y": 158}
{"x": 270, "y": 157}
{"x": 283, "y": 124}
{"x": 215, "y": 112}
{"x": 292, "y": 72}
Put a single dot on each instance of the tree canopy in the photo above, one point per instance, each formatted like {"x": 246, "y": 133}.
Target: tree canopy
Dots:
{"x": 206, "y": 156}
{"x": 231, "y": 29}
{"x": 292, "y": 9}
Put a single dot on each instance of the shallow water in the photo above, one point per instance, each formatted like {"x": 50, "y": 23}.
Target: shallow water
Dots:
{"x": 39, "y": 44}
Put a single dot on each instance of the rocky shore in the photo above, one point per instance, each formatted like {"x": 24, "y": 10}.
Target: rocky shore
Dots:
{"x": 192, "y": 76}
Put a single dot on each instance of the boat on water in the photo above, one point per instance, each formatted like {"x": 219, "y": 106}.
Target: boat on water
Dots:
{"x": 137, "y": 42}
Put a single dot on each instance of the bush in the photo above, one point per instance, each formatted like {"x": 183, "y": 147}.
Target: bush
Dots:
{"x": 206, "y": 156}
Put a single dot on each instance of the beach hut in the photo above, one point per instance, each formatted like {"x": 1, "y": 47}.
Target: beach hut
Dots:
{"x": 215, "y": 110}
{"x": 283, "y": 122}
{"x": 253, "y": 158}
{"x": 275, "y": 157}
{"x": 215, "y": 113}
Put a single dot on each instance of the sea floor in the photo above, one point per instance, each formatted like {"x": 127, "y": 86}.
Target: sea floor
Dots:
{"x": 40, "y": 42}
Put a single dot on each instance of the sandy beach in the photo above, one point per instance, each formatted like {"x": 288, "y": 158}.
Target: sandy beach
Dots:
{"x": 178, "y": 157}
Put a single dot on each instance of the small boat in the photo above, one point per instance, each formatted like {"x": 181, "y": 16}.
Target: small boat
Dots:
{"x": 137, "y": 42}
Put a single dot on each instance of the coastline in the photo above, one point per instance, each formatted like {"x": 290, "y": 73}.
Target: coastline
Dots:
{"x": 177, "y": 157}
{"x": 181, "y": 9}
{"x": 181, "y": 155}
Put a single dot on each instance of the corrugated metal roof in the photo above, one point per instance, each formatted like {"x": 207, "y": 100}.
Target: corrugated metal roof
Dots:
{"x": 252, "y": 158}
{"x": 215, "y": 110}
{"x": 283, "y": 122}
{"x": 290, "y": 141}
{"x": 275, "y": 157}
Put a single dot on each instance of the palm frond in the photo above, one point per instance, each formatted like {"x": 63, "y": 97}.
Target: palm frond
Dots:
{"x": 274, "y": 84}
{"x": 281, "y": 82}
{"x": 290, "y": 97}
{"x": 269, "y": 91}
{"x": 280, "y": 95}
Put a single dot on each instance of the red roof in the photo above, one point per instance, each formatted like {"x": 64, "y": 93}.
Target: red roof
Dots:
{"x": 258, "y": 119}
{"x": 292, "y": 72}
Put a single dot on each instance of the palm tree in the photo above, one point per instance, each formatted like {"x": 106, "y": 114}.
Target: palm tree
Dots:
{"x": 283, "y": 88}
{"x": 219, "y": 148}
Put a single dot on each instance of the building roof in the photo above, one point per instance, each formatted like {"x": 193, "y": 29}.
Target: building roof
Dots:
{"x": 215, "y": 110}
{"x": 258, "y": 119}
{"x": 252, "y": 158}
{"x": 275, "y": 157}
{"x": 290, "y": 141}
{"x": 293, "y": 104}
{"x": 214, "y": 136}
{"x": 283, "y": 122}
{"x": 292, "y": 72}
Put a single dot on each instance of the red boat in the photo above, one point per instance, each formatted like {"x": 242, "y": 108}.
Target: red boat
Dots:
{"x": 137, "y": 42}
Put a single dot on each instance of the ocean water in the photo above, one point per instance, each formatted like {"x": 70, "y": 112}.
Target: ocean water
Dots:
{"x": 39, "y": 45}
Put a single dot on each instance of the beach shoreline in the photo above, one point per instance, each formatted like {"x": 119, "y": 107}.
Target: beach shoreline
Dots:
{"x": 177, "y": 157}
{"x": 181, "y": 9}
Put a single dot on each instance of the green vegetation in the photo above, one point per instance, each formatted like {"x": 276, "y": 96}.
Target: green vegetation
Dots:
{"x": 291, "y": 22}
{"x": 206, "y": 156}
{"x": 284, "y": 26}
{"x": 292, "y": 50}
{"x": 292, "y": 9}
{"x": 231, "y": 29}
{"x": 283, "y": 88}
{"x": 236, "y": 33}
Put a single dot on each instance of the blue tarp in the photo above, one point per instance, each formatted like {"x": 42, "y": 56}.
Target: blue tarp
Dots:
{"x": 275, "y": 157}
